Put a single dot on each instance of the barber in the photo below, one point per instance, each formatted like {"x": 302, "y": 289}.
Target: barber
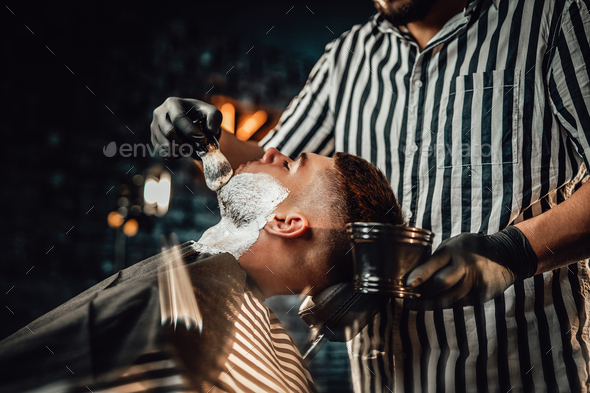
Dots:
{"x": 478, "y": 112}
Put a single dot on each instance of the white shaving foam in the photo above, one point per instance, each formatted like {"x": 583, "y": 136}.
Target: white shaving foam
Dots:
{"x": 246, "y": 203}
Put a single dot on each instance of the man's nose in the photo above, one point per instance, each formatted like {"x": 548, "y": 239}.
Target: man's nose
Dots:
{"x": 273, "y": 156}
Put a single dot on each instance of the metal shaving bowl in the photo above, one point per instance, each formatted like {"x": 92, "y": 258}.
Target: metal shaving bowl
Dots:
{"x": 384, "y": 254}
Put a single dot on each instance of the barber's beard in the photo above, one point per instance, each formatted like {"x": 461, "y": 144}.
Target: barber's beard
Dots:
{"x": 246, "y": 204}
{"x": 402, "y": 12}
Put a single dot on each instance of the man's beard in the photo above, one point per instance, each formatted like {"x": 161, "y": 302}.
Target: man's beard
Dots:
{"x": 246, "y": 203}
{"x": 405, "y": 12}
{"x": 250, "y": 197}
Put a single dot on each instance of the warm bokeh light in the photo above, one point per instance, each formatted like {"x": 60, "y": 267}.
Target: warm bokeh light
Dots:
{"x": 130, "y": 228}
{"x": 115, "y": 220}
{"x": 163, "y": 195}
{"x": 149, "y": 209}
{"x": 250, "y": 126}
{"x": 229, "y": 117}
{"x": 150, "y": 191}
{"x": 156, "y": 194}
{"x": 246, "y": 119}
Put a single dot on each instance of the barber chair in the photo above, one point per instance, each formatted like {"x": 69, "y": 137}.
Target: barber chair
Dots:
{"x": 383, "y": 255}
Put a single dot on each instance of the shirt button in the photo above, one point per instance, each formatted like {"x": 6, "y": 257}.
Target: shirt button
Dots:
{"x": 408, "y": 214}
{"x": 418, "y": 84}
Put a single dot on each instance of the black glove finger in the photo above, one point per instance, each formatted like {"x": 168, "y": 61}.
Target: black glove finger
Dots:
{"x": 444, "y": 300}
{"x": 442, "y": 280}
{"x": 214, "y": 118}
{"x": 170, "y": 146}
{"x": 197, "y": 110}
{"x": 424, "y": 271}
{"x": 183, "y": 114}
{"x": 176, "y": 119}
{"x": 452, "y": 297}
{"x": 185, "y": 129}
{"x": 167, "y": 138}
{"x": 473, "y": 298}
{"x": 166, "y": 127}
{"x": 159, "y": 126}
{"x": 155, "y": 142}
{"x": 180, "y": 146}
{"x": 160, "y": 138}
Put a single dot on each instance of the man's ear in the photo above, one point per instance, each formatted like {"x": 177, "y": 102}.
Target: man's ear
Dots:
{"x": 290, "y": 224}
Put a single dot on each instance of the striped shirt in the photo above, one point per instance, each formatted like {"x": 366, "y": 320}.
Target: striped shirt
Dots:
{"x": 486, "y": 126}
{"x": 263, "y": 358}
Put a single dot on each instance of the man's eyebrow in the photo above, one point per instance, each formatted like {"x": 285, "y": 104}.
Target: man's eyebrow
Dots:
{"x": 302, "y": 159}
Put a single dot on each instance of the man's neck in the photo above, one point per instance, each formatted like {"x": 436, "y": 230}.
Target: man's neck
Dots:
{"x": 275, "y": 268}
{"x": 253, "y": 287}
{"x": 255, "y": 263}
{"x": 442, "y": 11}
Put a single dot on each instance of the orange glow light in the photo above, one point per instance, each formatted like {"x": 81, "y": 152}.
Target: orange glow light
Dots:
{"x": 130, "y": 227}
{"x": 115, "y": 220}
{"x": 229, "y": 117}
{"x": 252, "y": 125}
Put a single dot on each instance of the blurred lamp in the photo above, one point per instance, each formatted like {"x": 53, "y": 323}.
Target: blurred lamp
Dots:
{"x": 115, "y": 220}
{"x": 229, "y": 117}
{"x": 156, "y": 194}
{"x": 163, "y": 197}
{"x": 251, "y": 125}
{"x": 130, "y": 227}
{"x": 150, "y": 191}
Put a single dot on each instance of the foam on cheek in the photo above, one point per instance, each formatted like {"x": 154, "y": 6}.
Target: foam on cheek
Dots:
{"x": 246, "y": 203}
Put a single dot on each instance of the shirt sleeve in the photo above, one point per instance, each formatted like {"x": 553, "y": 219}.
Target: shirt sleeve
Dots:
{"x": 569, "y": 77}
{"x": 308, "y": 122}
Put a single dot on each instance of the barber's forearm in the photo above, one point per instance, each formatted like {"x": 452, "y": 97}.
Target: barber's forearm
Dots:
{"x": 561, "y": 235}
{"x": 237, "y": 151}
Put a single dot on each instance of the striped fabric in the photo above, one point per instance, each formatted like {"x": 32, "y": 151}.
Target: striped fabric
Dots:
{"x": 488, "y": 125}
{"x": 262, "y": 359}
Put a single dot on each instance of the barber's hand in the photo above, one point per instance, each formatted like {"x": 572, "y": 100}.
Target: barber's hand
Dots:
{"x": 172, "y": 123}
{"x": 463, "y": 268}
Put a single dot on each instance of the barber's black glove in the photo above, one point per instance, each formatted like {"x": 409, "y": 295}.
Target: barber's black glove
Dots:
{"x": 471, "y": 269}
{"x": 184, "y": 122}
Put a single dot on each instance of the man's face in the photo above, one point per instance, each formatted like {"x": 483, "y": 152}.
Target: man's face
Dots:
{"x": 402, "y": 12}
{"x": 302, "y": 178}
{"x": 296, "y": 175}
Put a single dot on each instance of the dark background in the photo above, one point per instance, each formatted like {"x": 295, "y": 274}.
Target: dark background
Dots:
{"x": 64, "y": 64}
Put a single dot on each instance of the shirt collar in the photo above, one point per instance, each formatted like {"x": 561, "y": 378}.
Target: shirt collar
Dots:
{"x": 472, "y": 4}
{"x": 385, "y": 26}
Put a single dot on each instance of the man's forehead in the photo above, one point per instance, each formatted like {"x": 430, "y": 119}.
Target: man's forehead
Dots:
{"x": 315, "y": 160}
{"x": 308, "y": 167}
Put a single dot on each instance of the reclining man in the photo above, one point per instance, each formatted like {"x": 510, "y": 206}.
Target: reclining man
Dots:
{"x": 282, "y": 232}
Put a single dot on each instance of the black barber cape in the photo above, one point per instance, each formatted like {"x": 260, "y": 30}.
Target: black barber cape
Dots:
{"x": 100, "y": 333}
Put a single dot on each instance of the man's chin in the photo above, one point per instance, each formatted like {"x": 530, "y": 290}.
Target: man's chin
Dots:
{"x": 239, "y": 169}
{"x": 402, "y": 12}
